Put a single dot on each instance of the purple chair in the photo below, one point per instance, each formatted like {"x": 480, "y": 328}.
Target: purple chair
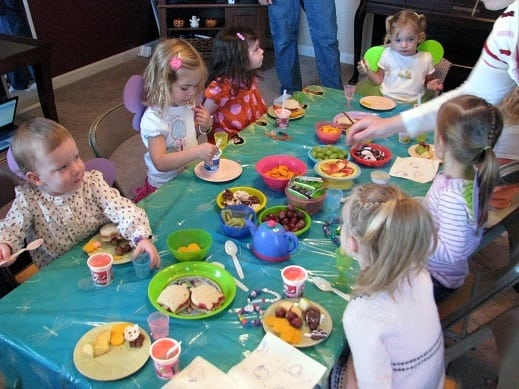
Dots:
{"x": 104, "y": 165}
{"x": 132, "y": 98}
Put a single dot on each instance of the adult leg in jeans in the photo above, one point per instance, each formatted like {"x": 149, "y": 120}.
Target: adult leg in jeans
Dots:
{"x": 284, "y": 25}
{"x": 322, "y": 22}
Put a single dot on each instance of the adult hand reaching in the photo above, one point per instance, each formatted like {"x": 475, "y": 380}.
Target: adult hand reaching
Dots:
{"x": 372, "y": 127}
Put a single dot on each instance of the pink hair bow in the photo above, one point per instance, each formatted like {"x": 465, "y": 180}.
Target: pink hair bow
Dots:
{"x": 240, "y": 36}
{"x": 175, "y": 63}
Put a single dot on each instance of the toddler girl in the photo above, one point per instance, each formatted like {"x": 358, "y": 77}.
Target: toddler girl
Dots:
{"x": 172, "y": 122}
{"x": 232, "y": 93}
{"x": 467, "y": 128}
{"x": 403, "y": 72}
{"x": 61, "y": 202}
{"x": 391, "y": 324}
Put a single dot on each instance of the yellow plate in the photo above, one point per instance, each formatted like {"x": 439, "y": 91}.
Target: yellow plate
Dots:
{"x": 250, "y": 190}
{"x": 430, "y": 155}
{"x": 297, "y": 114}
{"x": 107, "y": 247}
{"x": 326, "y": 322}
{"x": 377, "y": 103}
{"x": 121, "y": 361}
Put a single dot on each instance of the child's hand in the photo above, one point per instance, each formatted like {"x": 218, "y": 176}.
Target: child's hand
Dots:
{"x": 147, "y": 246}
{"x": 435, "y": 85}
{"x": 206, "y": 151}
{"x": 5, "y": 253}
{"x": 363, "y": 67}
{"x": 203, "y": 117}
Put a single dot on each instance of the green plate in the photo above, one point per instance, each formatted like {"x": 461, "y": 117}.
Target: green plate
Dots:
{"x": 204, "y": 270}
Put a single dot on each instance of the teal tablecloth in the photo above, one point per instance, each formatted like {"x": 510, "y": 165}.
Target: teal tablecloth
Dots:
{"x": 43, "y": 319}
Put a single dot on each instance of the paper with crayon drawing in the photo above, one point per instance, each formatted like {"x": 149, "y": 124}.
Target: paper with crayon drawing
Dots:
{"x": 415, "y": 169}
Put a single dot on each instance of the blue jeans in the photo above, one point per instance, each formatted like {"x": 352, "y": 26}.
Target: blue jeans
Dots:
{"x": 321, "y": 15}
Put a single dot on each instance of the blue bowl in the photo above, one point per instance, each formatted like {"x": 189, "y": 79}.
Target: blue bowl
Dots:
{"x": 238, "y": 212}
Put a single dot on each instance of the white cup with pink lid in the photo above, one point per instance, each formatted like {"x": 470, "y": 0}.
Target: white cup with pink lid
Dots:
{"x": 165, "y": 353}
{"x": 294, "y": 278}
{"x": 100, "y": 265}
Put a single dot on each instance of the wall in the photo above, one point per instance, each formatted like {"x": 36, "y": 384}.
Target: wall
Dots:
{"x": 85, "y": 31}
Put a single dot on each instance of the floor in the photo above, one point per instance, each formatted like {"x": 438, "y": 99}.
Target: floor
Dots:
{"x": 80, "y": 103}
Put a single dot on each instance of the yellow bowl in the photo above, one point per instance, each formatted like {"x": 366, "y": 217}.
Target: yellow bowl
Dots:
{"x": 251, "y": 191}
{"x": 337, "y": 179}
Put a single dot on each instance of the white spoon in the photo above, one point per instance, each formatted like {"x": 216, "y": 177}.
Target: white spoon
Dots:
{"x": 324, "y": 285}
{"x": 31, "y": 246}
{"x": 232, "y": 249}
{"x": 238, "y": 283}
{"x": 169, "y": 354}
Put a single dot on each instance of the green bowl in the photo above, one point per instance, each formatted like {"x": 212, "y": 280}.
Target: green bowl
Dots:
{"x": 182, "y": 238}
{"x": 275, "y": 210}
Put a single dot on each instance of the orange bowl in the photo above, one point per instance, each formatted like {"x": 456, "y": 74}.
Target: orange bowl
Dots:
{"x": 267, "y": 166}
{"x": 328, "y": 132}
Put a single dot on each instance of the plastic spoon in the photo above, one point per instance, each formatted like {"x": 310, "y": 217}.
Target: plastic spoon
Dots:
{"x": 31, "y": 246}
{"x": 169, "y": 354}
{"x": 238, "y": 283}
{"x": 324, "y": 285}
{"x": 232, "y": 249}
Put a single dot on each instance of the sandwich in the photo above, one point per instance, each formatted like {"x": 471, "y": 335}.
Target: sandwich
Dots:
{"x": 292, "y": 105}
{"x": 175, "y": 297}
{"x": 205, "y": 297}
{"x": 109, "y": 232}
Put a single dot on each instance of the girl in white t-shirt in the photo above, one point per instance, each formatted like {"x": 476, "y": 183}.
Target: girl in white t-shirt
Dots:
{"x": 391, "y": 324}
{"x": 172, "y": 123}
{"x": 403, "y": 72}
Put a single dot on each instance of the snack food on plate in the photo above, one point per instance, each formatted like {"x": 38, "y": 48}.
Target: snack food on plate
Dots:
{"x": 100, "y": 346}
{"x": 423, "y": 150}
{"x": 240, "y": 197}
{"x": 205, "y": 297}
{"x": 292, "y": 105}
{"x": 108, "y": 232}
{"x": 175, "y": 297}
{"x": 133, "y": 335}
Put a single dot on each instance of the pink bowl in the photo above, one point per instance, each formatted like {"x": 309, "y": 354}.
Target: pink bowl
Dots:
{"x": 327, "y": 137}
{"x": 266, "y": 164}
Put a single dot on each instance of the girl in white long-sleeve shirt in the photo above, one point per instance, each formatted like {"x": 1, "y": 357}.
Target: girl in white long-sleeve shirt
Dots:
{"x": 392, "y": 324}
{"x": 467, "y": 129}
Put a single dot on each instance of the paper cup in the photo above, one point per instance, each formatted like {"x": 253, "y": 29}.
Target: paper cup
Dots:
{"x": 294, "y": 278}
{"x": 214, "y": 165}
{"x": 159, "y": 325}
{"x": 100, "y": 265}
{"x": 165, "y": 367}
{"x": 141, "y": 264}
{"x": 282, "y": 118}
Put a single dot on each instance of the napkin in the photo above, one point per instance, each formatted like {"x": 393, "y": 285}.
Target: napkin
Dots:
{"x": 420, "y": 170}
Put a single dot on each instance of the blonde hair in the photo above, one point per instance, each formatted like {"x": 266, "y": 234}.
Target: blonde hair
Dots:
{"x": 405, "y": 17}
{"x": 159, "y": 75}
{"x": 509, "y": 107}
{"x": 469, "y": 128}
{"x": 34, "y": 138}
{"x": 395, "y": 234}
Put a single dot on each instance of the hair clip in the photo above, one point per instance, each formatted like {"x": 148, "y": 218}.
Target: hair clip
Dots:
{"x": 176, "y": 62}
{"x": 240, "y": 36}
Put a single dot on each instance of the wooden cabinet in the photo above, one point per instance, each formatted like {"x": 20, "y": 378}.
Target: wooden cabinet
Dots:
{"x": 460, "y": 25}
{"x": 171, "y": 15}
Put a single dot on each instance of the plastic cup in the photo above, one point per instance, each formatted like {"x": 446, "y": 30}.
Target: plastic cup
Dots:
{"x": 214, "y": 164}
{"x": 404, "y": 137}
{"x": 100, "y": 265}
{"x": 282, "y": 118}
{"x": 165, "y": 366}
{"x": 159, "y": 325}
{"x": 221, "y": 139}
{"x": 141, "y": 264}
{"x": 294, "y": 278}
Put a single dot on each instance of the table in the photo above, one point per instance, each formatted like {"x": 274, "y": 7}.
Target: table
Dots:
{"x": 17, "y": 52}
{"x": 43, "y": 319}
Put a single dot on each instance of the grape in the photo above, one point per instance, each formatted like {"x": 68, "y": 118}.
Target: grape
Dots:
{"x": 328, "y": 152}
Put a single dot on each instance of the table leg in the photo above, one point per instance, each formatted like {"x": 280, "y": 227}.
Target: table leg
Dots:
{"x": 43, "y": 78}
{"x": 358, "y": 25}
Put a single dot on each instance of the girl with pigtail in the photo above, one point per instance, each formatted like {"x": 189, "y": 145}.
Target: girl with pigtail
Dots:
{"x": 403, "y": 73}
{"x": 467, "y": 128}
